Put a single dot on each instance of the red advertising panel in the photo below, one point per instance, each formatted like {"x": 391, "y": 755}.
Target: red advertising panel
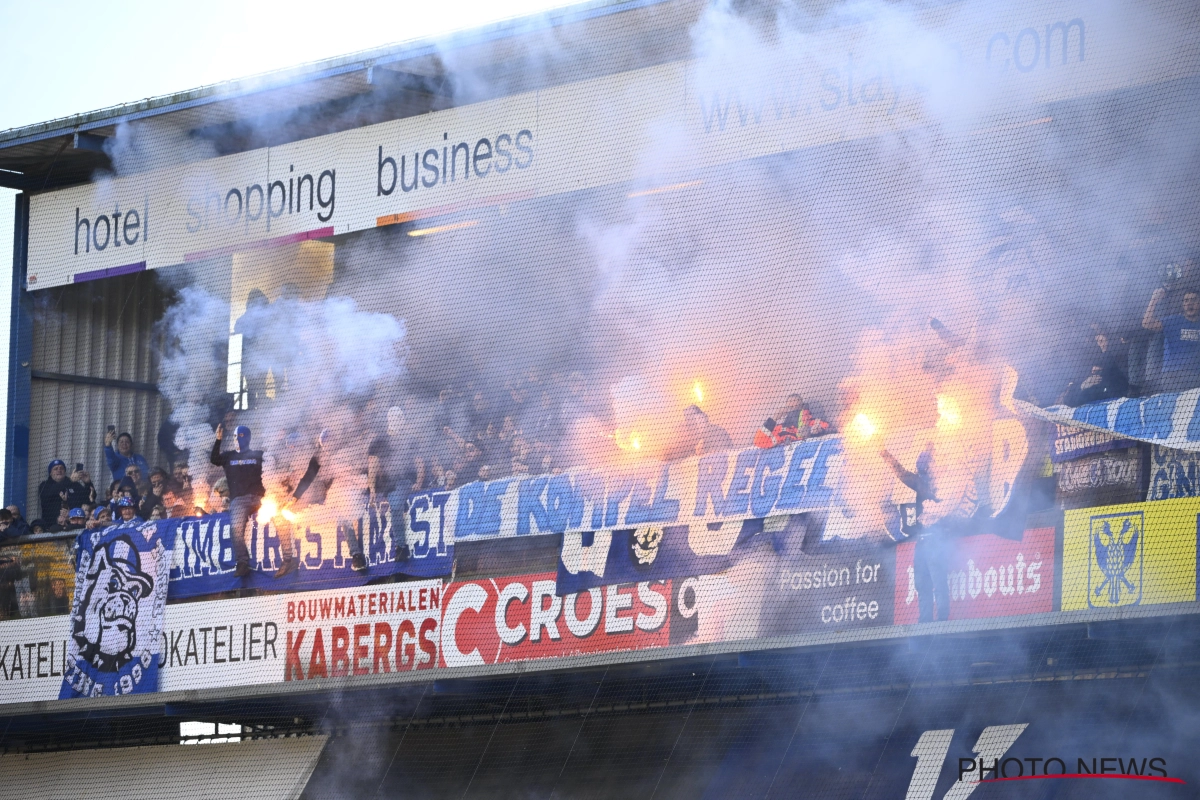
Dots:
{"x": 989, "y": 576}
{"x": 496, "y": 620}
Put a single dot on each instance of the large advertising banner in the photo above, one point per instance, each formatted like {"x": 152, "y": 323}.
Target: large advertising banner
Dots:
{"x": 1130, "y": 555}
{"x": 368, "y": 630}
{"x": 495, "y": 620}
{"x": 583, "y": 134}
{"x": 988, "y": 576}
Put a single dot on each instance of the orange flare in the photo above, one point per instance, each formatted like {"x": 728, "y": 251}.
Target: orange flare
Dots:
{"x": 862, "y": 426}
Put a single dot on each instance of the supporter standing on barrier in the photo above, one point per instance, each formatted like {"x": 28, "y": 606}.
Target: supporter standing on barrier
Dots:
{"x": 243, "y": 472}
{"x": 930, "y": 560}
{"x": 1181, "y": 341}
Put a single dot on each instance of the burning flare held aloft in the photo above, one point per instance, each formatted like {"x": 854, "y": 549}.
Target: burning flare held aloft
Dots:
{"x": 270, "y": 509}
{"x": 957, "y": 413}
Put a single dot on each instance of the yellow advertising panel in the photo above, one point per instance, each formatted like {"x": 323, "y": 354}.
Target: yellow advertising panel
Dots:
{"x": 1130, "y": 555}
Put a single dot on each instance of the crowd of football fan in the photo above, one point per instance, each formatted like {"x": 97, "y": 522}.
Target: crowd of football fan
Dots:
{"x": 70, "y": 501}
{"x": 525, "y": 428}
{"x": 474, "y": 437}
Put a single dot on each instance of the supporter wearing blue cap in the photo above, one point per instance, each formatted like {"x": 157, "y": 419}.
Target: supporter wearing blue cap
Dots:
{"x": 76, "y": 520}
{"x": 127, "y": 508}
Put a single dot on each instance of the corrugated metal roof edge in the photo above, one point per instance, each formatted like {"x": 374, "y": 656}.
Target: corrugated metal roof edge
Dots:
{"x": 338, "y": 65}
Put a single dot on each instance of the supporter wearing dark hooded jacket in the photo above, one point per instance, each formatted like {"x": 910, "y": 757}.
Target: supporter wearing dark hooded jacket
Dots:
{"x": 125, "y": 488}
{"x": 58, "y": 490}
{"x": 1104, "y": 379}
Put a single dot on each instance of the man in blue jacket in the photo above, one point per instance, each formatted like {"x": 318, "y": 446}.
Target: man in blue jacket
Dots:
{"x": 122, "y": 456}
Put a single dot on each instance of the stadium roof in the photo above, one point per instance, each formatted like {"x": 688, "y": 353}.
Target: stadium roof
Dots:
{"x": 390, "y": 82}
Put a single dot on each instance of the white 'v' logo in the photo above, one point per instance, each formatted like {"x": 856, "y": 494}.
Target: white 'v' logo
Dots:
{"x": 930, "y": 752}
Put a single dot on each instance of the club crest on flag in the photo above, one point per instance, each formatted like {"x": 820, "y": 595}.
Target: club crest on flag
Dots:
{"x": 644, "y": 544}
{"x": 1116, "y": 547}
{"x": 117, "y": 612}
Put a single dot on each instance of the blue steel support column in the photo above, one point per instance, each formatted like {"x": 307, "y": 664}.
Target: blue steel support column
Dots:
{"x": 20, "y": 350}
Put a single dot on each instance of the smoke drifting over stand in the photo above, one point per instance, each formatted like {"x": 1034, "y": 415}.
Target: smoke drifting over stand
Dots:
{"x": 937, "y": 185}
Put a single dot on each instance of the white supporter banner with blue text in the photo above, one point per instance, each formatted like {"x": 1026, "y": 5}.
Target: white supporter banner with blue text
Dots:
{"x": 1171, "y": 419}
{"x": 719, "y": 487}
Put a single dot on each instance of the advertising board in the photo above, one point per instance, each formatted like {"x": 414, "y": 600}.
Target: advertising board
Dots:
{"x": 496, "y": 620}
{"x": 989, "y": 576}
{"x": 564, "y": 138}
{"x": 252, "y": 640}
{"x": 1114, "y": 476}
{"x": 1130, "y": 555}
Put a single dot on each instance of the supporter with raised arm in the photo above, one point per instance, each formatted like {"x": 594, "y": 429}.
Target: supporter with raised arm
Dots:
{"x": 931, "y": 574}
{"x": 295, "y": 498}
{"x": 122, "y": 456}
{"x": 1181, "y": 341}
{"x": 183, "y": 483}
{"x": 83, "y": 490}
{"x": 243, "y": 474}
{"x": 158, "y": 487}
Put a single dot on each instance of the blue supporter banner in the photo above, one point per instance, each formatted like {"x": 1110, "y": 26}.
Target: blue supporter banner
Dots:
{"x": 1171, "y": 419}
{"x": 720, "y": 487}
{"x": 204, "y": 561}
{"x": 116, "y": 622}
{"x": 1173, "y": 473}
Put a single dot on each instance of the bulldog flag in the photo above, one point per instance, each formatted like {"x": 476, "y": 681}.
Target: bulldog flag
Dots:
{"x": 116, "y": 620}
